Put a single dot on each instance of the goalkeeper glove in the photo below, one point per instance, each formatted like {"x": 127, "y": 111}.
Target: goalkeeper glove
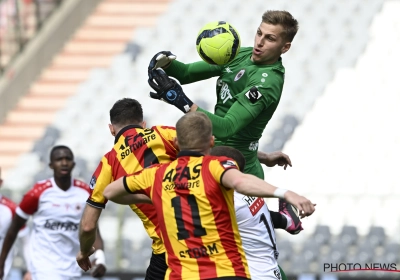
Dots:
{"x": 161, "y": 60}
{"x": 168, "y": 90}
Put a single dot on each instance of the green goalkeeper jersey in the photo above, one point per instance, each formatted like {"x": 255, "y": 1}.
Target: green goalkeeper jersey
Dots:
{"x": 247, "y": 97}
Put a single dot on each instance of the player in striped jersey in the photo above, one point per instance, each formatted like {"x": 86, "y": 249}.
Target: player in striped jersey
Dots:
{"x": 193, "y": 196}
{"x": 135, "y": 147}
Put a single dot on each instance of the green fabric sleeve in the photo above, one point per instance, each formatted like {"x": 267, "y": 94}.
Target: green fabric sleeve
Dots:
{"x": 192, "y": 72}
{"x": 235, "y": 119}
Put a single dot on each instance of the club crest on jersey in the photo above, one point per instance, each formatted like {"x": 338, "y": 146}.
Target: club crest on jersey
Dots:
{"x": 92, "y": 183}
{"x": 239, "y": 75}
{"x": 227, "y": 164}
{"x": 254, "y": 203}
{"x": 277, "y": 274}
{"x": 253, "y": 95}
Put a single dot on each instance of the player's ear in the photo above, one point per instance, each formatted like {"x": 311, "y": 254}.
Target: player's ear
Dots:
{"x": 143, "y": 124}
{"x": 286, "y": 47}
{"x": 112, "y": 130}
{"x": 51, "y": 165}
{"x": 212, "y": 141}
{"x": 176, "y": 143}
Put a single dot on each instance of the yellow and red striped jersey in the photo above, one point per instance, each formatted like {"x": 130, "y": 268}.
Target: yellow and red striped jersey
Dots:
{"x": 196, "y": 216}
{"x": 135, "y": 148}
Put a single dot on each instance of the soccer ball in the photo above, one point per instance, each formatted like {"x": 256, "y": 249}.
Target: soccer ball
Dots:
{"x": 218, "y": 42}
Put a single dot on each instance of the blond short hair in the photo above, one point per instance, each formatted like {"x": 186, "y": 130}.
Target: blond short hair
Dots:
{"x": 194, "y": 131}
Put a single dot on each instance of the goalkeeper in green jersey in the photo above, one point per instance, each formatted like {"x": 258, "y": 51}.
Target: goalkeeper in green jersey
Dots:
{"x": 248, "y": 92}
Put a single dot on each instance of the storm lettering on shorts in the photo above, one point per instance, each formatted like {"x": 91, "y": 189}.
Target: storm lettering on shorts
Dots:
{"x": 199, "y": 252}
{"x": 65, "y": 226}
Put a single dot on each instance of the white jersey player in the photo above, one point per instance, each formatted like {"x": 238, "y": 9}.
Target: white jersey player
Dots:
{"x": 258, "y": 237}
{"x": 56, "y": 207}
{"x": 254, "y": 222}
{"x": 55, "y": 222}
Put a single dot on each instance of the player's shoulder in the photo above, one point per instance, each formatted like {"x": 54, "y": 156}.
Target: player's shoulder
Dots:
{"x": 226, "y": 162}
{"x": 42, "y": 185}
{"x": 111, "y": 153}
{"x": 163, "y": 128}
{"x": 8, "y": 202}
{"x": 80, "y": 185}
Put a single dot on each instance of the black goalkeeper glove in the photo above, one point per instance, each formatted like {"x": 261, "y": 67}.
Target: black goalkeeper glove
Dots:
{"x": 168, "y": 90}
{"x": 160, "y": 60}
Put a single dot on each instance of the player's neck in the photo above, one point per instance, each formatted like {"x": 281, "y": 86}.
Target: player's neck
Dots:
{"x": 63, "y": 183}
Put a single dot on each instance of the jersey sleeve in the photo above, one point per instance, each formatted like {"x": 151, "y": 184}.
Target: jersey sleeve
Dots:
{"x": 249, "y": 104}
{"x": 193, "y": 72}
{"x": 29, "y": 204}
{"x": 234, "y": 120}
{"x": 140, "y": 181}
{"x": 219, "y": 165}
{"x": 100, "y": 179}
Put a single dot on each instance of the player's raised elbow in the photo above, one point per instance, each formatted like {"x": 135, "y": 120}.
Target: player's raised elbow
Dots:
{"x": 108, "y": 193}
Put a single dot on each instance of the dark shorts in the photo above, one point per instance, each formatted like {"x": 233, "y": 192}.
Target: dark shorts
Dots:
{"x": 157, "y": 267}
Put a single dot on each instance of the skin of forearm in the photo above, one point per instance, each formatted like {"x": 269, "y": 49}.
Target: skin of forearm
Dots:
{"x": 261, "y": 156}
{"x": 253, "y": 186}
{"x": 87, "y": 239}
{"x": 98, "y": 243}
{"x": 88, "y": 227}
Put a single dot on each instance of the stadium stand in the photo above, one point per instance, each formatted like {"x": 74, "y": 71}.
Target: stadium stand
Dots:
{"x": 335, "y": 120}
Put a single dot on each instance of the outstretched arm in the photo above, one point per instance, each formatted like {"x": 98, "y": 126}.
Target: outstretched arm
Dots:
{"x": 99, "y": 262}
{"x": 184, "y": 73}
{"x": 87, "y": 235}
{"x": 252, "y": 186}
{"x": 274, "y": 158}
{"x": 192, "y": 72}
{"x": 237, "y": 118}
{"x": 16, "y": 224}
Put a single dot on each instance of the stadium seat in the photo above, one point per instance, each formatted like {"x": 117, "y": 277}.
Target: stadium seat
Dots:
{"x": 299, "y": 264}
{"x": 310, "y": 250}
{"x": 338, "y": 251}
{"x": 349, "y": 235}
{"x": 376, "y": 235}
{"x": 322, "y": 234}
